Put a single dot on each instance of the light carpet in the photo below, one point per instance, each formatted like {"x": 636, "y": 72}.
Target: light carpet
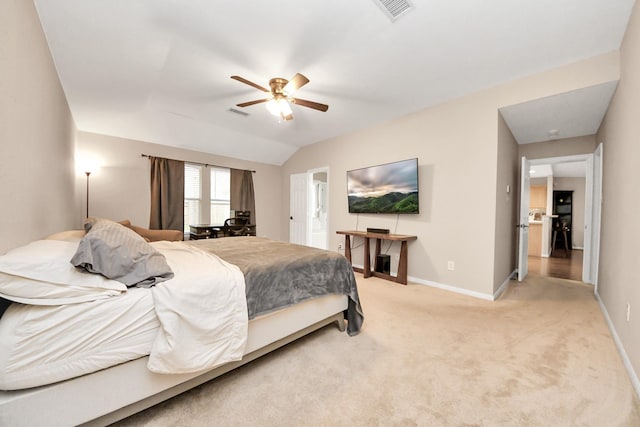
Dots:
{"x": 541, "y": 355}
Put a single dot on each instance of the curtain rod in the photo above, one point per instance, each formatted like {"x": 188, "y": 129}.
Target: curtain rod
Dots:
{"x": 193, "y": 163}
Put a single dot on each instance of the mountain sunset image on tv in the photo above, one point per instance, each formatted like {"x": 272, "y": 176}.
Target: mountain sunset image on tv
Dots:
{"x": 389, "y": 188}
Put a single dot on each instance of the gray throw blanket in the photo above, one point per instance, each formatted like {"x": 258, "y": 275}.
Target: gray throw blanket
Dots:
{"x": 279, "y": 274}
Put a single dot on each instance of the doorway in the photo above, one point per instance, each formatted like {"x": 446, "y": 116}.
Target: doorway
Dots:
{"x": 318, "y": 224}
{"x": 309, "y": 208}
{"x": 580, "y": 261}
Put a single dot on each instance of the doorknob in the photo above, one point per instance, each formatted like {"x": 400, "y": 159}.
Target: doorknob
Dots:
{"x": 291, "y": 218}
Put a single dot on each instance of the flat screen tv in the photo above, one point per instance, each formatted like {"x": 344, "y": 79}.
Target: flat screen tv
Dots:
{"x": 391, "y": 188}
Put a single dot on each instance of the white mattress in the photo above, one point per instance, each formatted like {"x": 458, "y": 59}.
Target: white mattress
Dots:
{"x": 124, "y": 329}
{"x": 130, "y": 387}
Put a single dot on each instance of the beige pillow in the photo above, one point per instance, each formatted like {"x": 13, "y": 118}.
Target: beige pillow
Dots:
{"x": 67, "y": 236}
{"x": 154, "y": 235}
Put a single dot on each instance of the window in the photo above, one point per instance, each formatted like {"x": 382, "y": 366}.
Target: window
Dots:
{"x": 192, "y": 194}
{"x": 198, "y": 183}
{"x": 220, "y": 195}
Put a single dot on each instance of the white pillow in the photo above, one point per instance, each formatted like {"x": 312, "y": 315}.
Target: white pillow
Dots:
{"x": 40, "y": 273}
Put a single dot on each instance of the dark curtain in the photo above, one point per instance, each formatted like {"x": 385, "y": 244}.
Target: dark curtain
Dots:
{"x": 167, "y": 194}
{"x": 242, "y": 196}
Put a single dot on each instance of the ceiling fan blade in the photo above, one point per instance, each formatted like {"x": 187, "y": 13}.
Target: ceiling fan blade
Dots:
{"x": 247, "y": 82}
{"x": 257, "y": 101}
{"x": 295, "y": 83}
{"x": 310, "y": 104}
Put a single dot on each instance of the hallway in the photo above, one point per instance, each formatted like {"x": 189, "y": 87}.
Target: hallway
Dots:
{"x": 558, "y": 265}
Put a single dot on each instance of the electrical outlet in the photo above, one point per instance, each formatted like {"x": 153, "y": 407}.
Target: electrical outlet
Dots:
{"x": 340, "y": 246}
{"x": 628, "y": 311}
{"x": 451, "y": 265}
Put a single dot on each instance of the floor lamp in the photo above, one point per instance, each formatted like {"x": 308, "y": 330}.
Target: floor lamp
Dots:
{"x": 87, "y": 173}
{"x": 88, "y": 165}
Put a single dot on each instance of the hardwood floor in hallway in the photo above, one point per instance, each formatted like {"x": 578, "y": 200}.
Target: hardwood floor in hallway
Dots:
{"x": 569, "y": 267}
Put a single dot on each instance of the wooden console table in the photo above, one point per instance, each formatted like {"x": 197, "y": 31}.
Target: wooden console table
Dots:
{"x": 366, "y": 271}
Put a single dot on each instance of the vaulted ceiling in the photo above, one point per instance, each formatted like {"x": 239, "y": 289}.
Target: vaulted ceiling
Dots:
{"x": 159, "y": 70}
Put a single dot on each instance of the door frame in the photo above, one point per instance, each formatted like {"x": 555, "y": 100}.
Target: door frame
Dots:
{"x": 298, "y": 205}
{"x": 591, "y": 254}
{"x": 595, "y": 166}
{"x": 299, "y": 199}
{"x": 523, "y": 219}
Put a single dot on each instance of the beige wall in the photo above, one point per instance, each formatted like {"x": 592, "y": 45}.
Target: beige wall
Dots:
{"x": 458, "y": 147}
{"x": 444, "y": 181}
{"x": 559, "y": 147}
{"x": 619, "y": 272}
{"x": 507, "y": 205}
{"x": 120, "y": 188}
{"x": 36, "y": 133}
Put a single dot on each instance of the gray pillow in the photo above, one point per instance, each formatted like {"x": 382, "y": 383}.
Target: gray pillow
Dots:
{"x": 119, "y": 253}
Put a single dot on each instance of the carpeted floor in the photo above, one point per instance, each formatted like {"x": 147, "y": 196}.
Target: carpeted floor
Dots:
{"x": 541, "y": 355}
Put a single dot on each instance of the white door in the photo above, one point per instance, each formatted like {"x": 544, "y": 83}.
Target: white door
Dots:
{"x": 588, "y": 219}
{"x": 298, "y": 209}
{"x": 596, "y": 215}
{"x": 523, "y": 221}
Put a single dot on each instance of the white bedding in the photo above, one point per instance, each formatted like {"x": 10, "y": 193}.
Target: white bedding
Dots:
{"x": 202, "y": 312}
{"x": 193, "y": 322}
{"x": 122, "y": 329}
{"x": 130, "y": 387}
{"x": 40, "y": 273}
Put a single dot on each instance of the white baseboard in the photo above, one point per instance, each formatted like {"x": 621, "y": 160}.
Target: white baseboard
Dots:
{"x": 452, "y": 288}
{"x": 455, "y": 289}
{"x": 505, "y": 284}
{"x": 474, "y": 294}
{"x": 635, "y": 382}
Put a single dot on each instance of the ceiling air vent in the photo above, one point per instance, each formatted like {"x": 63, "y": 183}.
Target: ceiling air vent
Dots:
{"x": 238, "y": 112}
{"x": 394, "y": 9}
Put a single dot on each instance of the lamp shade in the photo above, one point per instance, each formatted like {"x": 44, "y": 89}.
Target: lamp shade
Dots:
{"x": 273, "y": 107}
{"x": 87, "y": 164}
{"x": 279, "y": 107}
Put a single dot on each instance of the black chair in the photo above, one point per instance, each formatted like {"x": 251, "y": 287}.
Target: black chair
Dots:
{"x": 244, "y": 214}
{"x": 560, "y": 230}
{"x": 236, "y": 226}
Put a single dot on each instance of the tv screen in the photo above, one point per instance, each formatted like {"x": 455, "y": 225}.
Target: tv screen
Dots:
{"x": 390, "y": 188}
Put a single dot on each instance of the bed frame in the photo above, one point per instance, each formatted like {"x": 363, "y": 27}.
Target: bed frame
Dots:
{"x": 112, "y": 394}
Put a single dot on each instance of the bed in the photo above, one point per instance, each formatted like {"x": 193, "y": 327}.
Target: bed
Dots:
{"x": 102, "y": 358}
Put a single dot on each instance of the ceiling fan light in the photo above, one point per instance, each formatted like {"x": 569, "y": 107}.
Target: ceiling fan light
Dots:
{"x": 279, "y": 98}
{"x": 285, "y": 108}
{"x": 280, "y": 108}
{"x": 273, "y": 107}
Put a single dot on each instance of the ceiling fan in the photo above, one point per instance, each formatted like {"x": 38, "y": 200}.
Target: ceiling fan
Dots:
{"x": 281, "y": 94}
